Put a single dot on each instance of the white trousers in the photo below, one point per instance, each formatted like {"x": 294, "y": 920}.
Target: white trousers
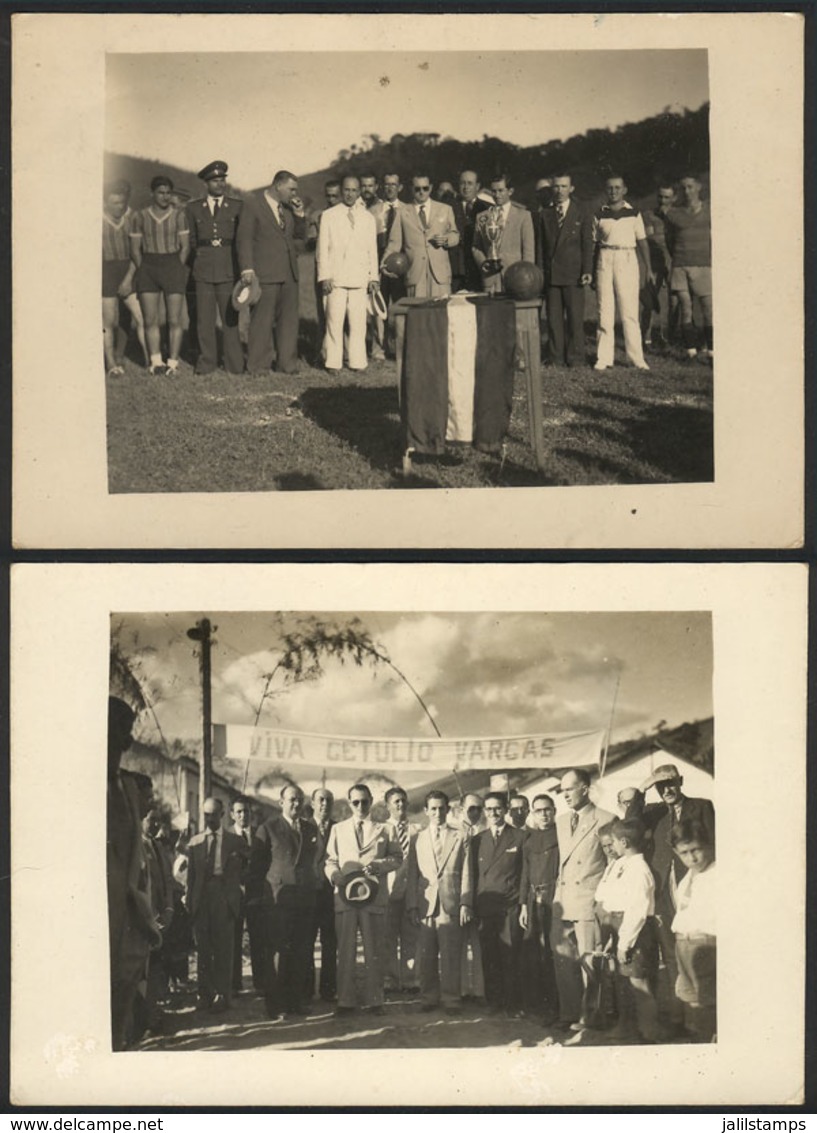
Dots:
{"x": 617, "y": 281}
{"x": 344, "y": 303}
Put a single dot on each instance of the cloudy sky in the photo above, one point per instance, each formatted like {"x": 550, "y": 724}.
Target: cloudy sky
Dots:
{"x": 300, "y": 108}
{"x": 495, "y": 674}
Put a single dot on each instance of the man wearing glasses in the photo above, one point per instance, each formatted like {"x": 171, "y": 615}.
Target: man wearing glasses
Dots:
{"x": 364, "y": 848}
{"x": 540, "y": 872}
{"x": 425, "y": 230}
{"x": 498, "y": 869}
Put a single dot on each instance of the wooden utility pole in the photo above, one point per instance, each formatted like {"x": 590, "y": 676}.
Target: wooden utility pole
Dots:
{"x": 202, "y": 632}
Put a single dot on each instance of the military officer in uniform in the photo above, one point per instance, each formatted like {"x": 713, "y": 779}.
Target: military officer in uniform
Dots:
{"x": 213, "y": 221}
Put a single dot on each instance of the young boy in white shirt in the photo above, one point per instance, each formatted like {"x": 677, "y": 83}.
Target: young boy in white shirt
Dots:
{"x": 694, "y": 926}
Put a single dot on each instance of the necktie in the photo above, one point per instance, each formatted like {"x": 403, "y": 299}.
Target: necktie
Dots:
{"x": 216, "y": 207}
{"x": 389, "y": 219}
{"x": 210, "y": 867}
{"x": 438, "y": 842}
{"x": 403, "y": 835}
{"x": 468, "y": 207}
{"x": 248, "y": 836}
{"x": 359, "y": 834}
{"x": 574, "y": 821}
{"x": 351, "y": 215}
{"x": 560, "y": 214}
{"x": 423, "y": 218}
{"x": 280, "y": 217}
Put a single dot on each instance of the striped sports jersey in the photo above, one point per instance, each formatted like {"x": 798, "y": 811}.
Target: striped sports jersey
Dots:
{"x": 159, "y": 233}
{"x": 115, "y": 244}
{"x": 620, "y": 228}
{"x": 689, "y": 236}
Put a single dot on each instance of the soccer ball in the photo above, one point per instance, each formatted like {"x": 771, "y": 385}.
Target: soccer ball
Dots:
{"x": 397, "y": 263}
{"x": 524, "y": 280}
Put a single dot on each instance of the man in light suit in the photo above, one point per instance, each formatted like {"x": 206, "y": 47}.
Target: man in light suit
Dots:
{"x": 575, "y": 929}
{"x": 358, "y": 844}
{"x": 283, "y": 878}
{"x": 216, "y": 859}
{"x": 250, "y": 914}
{"x": 497, "y": 863}
{"x": 348, "y": 272}
{"x": 516, "y": 239}
{"x": 439, "y": 899}
{"x": 268, "y": 227}
{"x": 566, "y": 243}
{"x": 401, "y": 931}
{"x": 425, "y": 230}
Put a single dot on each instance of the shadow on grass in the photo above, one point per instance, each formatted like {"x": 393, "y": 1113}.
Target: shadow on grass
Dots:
{"x": 297, "y": 482}
{"x": 364, "y": 418}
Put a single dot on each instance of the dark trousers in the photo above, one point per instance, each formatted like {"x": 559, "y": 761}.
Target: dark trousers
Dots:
{"x": 275, "y": 312}
{"x": 214, "y": 933}
{"x": 500, "y": 938}
{"x": 323, "y": 926}
{"x": 565, "y": 314}
{"x": 538, "y": 972}
{"x": 252, "y": 917}
{"x": 211, "y": 297}
{"x": 288, "y": 940}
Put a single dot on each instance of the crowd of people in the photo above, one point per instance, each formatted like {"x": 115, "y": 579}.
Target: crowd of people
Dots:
{"x": 651, "y": 270}
{"x": 573, "y": 921}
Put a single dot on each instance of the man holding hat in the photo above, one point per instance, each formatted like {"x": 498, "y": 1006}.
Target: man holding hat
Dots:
{"x": 359, "y": 854}
{"x": 213, "y": 222}
{"x": 666, "y": 865}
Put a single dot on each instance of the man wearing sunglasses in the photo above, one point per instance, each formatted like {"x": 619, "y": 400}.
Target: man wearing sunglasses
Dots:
{"x": 425, "y": 230}
{"x": 360, "y": 846}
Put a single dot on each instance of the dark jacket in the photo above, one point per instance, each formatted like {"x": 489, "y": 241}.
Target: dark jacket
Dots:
{"x": 462, "y": 259}
{"x": 214, "y": 264}
{"x": 283, "y": 867}
{"x": 540, "y": 866}
{"x": 266, "y": 247}
{"x": 665, "y": 862}
{"x": 566, "y": 253}
{"x": 497, "y": 870}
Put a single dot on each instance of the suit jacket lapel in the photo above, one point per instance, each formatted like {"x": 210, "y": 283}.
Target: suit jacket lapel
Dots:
{"x": 448, "y": 843}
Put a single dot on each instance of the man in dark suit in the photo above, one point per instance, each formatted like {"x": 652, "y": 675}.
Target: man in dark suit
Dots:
{"x": 566, "y": 249}
{"x": 283, "y": 877}
{"x": 213, "y": 221}
{"x": 216, "y": 860}
{"x": 268, "y": 227}
{"x": 323, "y": 924}
{"x": 465, "y": 275}
{"x": 540, "y": 873}
{"x": 581, "y": 864}
{"x": 497, "y": 866}
{"x": 668, "y": 868}
{"x": 250, "y": 914}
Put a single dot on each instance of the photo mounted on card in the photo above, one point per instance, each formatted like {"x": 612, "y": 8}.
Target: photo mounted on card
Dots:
{"x": 477, "y": 832}
{"x": 425, "y": 310}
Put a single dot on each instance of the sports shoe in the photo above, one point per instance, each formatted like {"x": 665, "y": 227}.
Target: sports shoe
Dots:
{"x": 157, "y": 370}
{"x": 599, "y": 366}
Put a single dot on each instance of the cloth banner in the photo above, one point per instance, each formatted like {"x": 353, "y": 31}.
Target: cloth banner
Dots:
{"x": 458, "y": 371}
{"x": 381, "y": 753}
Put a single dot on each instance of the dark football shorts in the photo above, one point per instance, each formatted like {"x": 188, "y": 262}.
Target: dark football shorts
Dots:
{"x": 113, "y": 272}
{"x": 161, "y": 271}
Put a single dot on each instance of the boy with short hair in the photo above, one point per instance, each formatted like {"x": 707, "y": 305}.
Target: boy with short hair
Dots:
{"x": 694, "y": 927}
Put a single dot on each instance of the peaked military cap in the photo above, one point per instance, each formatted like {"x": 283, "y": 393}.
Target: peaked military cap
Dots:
{"x": 214, "y": 169}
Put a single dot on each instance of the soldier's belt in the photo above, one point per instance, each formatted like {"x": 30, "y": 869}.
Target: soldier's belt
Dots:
{"x": 221, "y": 242}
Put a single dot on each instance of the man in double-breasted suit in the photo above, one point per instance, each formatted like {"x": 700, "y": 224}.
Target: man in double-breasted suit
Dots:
{"x": 213, "y": 221}
{"x": 216, "y": 858}
{"x": 359, "y": 845}
{"x": 465, "y": 275}
{"x": 283, "y": 879}
{"x": 425, "y": 230}
{"x": 439, "y": 899}
{"x": 581, "y": 864}
{"x": 516, "y": 240}
{"x": 566, "y": 248}
{"x": 268, "y": 227}
{"x": 497, "y": 865}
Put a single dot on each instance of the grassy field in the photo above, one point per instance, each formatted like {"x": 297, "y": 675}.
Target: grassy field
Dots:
{"x": 309, "y": 431}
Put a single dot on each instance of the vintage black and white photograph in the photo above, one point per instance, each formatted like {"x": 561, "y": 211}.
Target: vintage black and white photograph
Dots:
{"x": 444, "y": 269}
{"x": 345, "y": 831}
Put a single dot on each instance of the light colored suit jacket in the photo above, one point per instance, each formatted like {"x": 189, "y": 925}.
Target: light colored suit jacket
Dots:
{"x": 517, "y": 243}
{"x": 397, "y": 880}
{"x": 347, "y": 254}
{"x": 582, "y": 863}
{"x": 408, "y": 235}
{"x": 443, "y": 883}
{"x": 343, "y": 855}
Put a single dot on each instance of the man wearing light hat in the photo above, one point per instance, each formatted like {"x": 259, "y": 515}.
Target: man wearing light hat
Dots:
{"x": 666, "y": 865}
{"x": 359, "y": 854}
{"x": 213, "y": 221}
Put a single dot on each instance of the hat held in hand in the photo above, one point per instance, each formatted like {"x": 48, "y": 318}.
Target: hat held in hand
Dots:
{"x": 246, "y": 293}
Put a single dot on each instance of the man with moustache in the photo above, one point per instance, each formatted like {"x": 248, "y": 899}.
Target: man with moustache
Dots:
{"x": 323, "y": 924}
{"x": 283, "y": 876}
{"x": 465, "y": 274}
{"x": 540, "y": 873}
